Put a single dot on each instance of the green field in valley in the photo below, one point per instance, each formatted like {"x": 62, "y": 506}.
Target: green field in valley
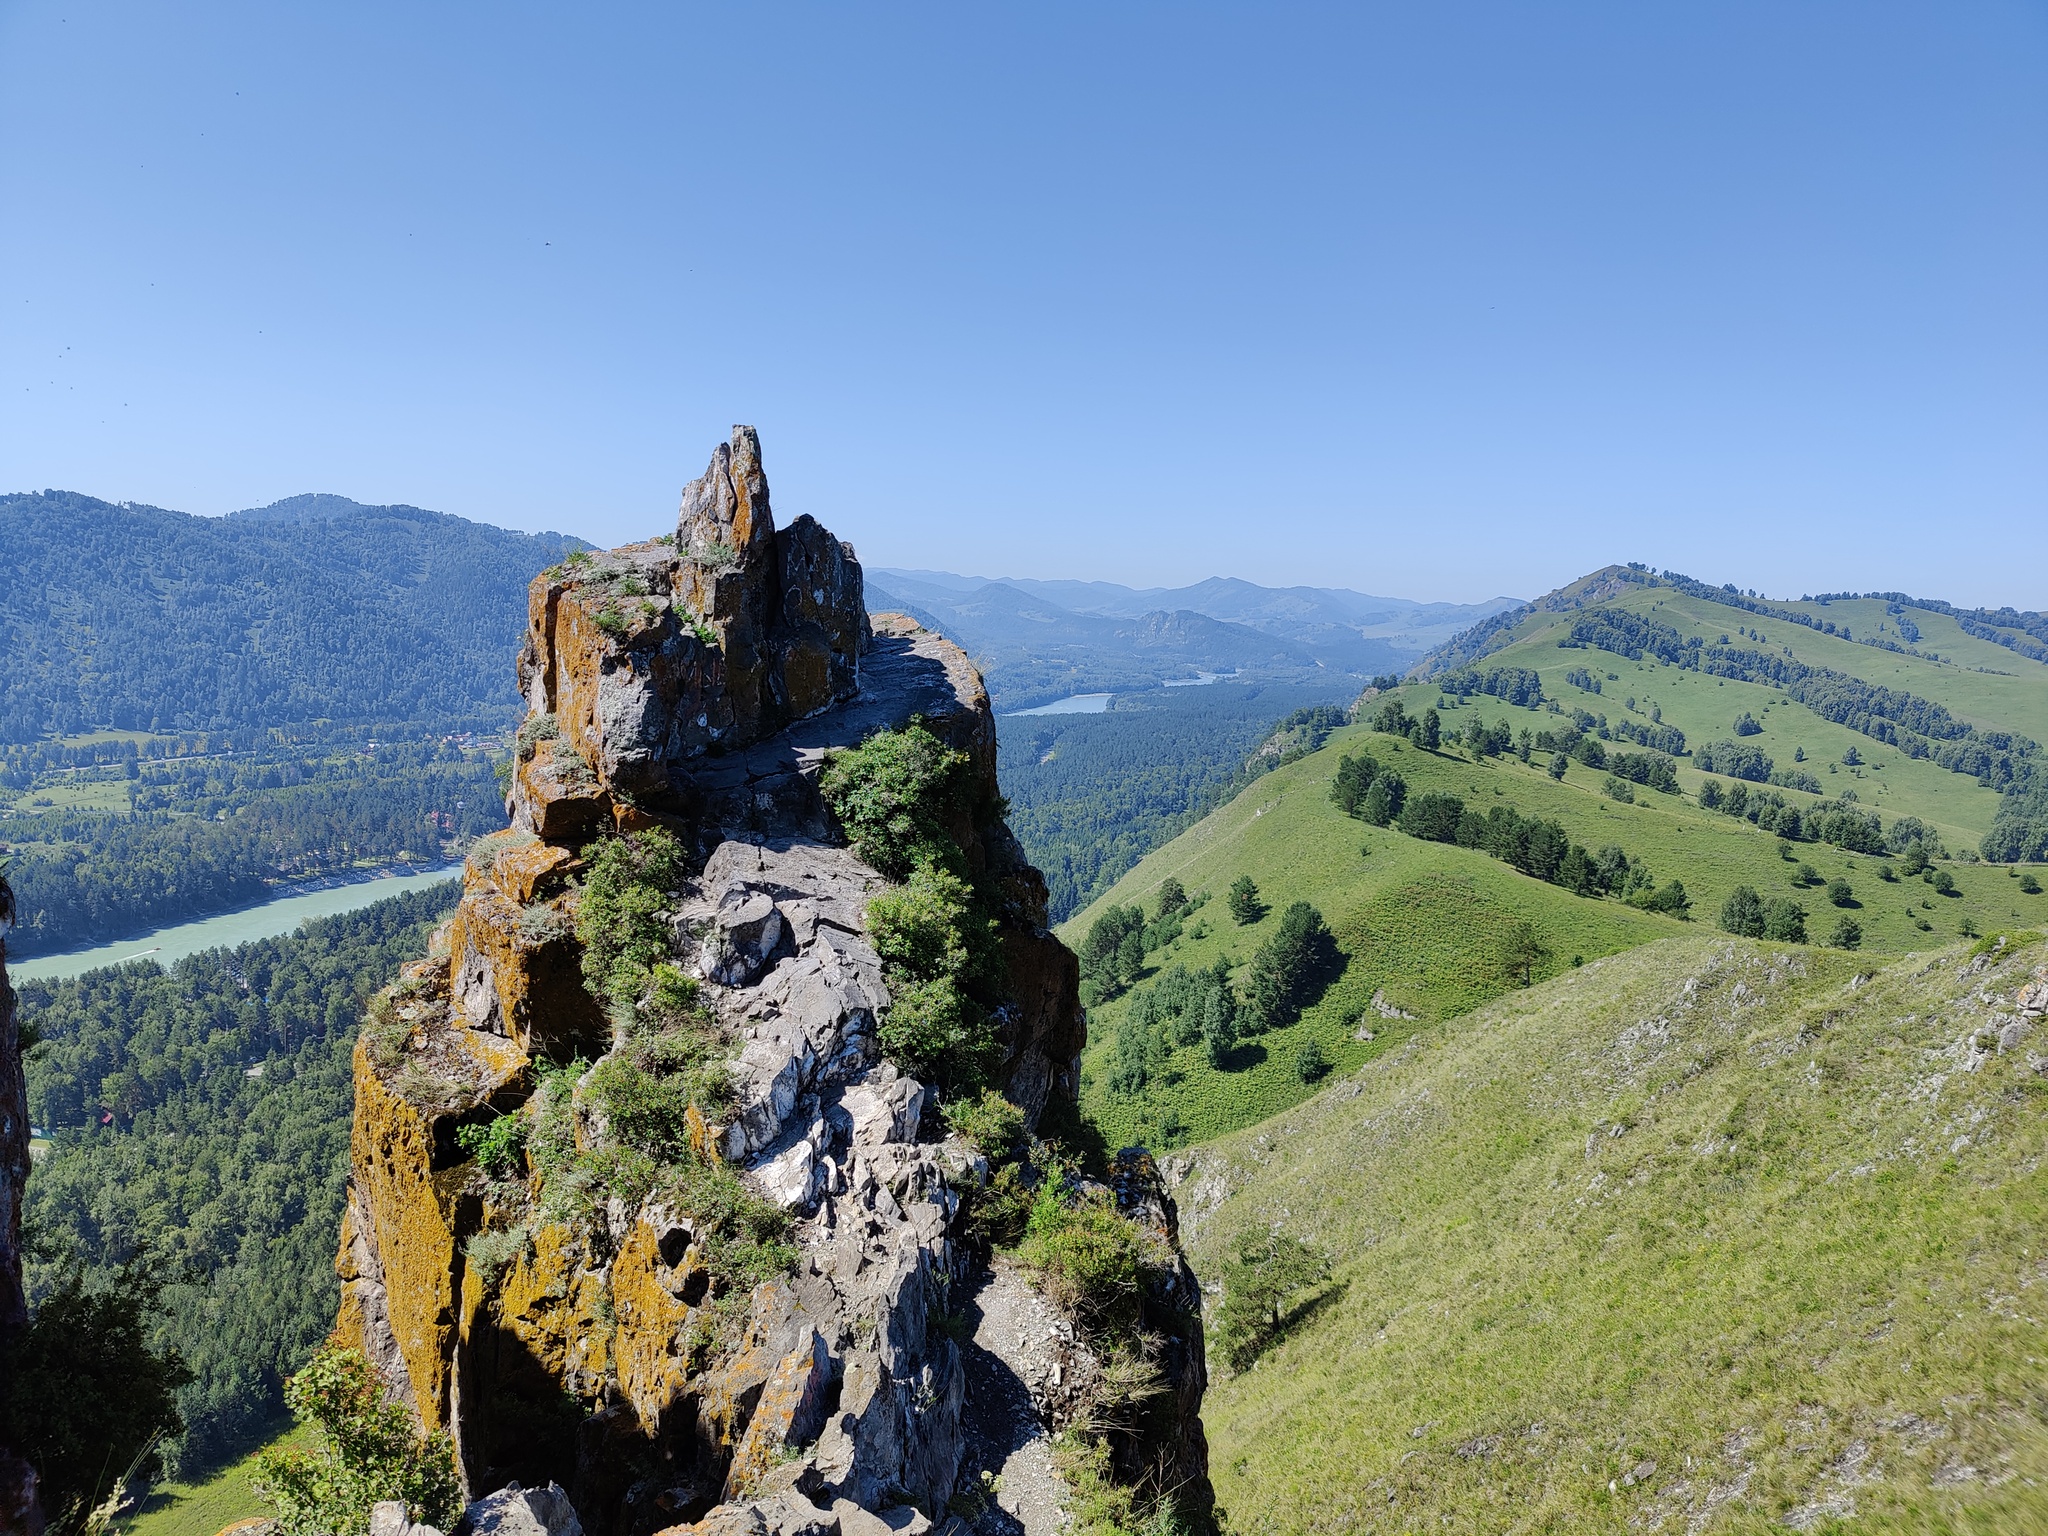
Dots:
{"x": 202, "y": 1509}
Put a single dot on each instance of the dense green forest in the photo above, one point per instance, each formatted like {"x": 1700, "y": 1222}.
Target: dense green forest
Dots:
{"x": 1090, "y": 795}
{"x": 210, "y": 833}
{"x": 199, "y": 1121}
{"x": 316, "y": 609}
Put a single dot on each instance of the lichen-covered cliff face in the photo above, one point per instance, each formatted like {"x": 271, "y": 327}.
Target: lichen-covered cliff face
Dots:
{"x": 19, "y": 1508}
{"x": 639, "y": 1203}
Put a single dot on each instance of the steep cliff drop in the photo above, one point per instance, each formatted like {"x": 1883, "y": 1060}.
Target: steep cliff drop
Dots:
{"x": 20, "y": 1510}
{"x": 640, "y": 1202}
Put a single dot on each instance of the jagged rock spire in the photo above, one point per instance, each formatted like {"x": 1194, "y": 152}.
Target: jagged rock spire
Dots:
{"x": 727, "y": 505}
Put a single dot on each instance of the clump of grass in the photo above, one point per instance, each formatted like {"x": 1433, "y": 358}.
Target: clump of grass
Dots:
{"x": 534, "y": 730}
{"x": 569, "y": 765}
{"x": 490, "y": 1254}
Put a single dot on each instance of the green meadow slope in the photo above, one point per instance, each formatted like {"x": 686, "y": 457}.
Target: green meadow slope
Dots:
{"x": 1422, "y": 924}
{"x": 1711, "y": 1236}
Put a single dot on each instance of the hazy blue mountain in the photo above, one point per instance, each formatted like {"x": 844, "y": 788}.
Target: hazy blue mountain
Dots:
{"x": 1037, "y": 640}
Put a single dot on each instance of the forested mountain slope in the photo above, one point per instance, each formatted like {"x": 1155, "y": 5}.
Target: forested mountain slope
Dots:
{"x": 198, "y": 1121}
{"x": 1712, "y": 1236}
{"x": 1038, "y": 640}
{"x": 316, "y": 609}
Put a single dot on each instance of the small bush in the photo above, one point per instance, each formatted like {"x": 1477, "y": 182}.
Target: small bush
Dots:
{"x": 2029, "y": 884}
{"x": 1311, "y": 1063}
{"x": 1846, "y": 934}
{"x": 534, "y": 730}
{"x": 365, "y": 1451}
{"x": 1840, "y": 893}
{"x": 894, "y": 793}
{"x": 991, "y": 1122}
{"x": 499, "y": 1148}
{"x": 568, "y": 763}
{"x": 921, "y": 926}
{"x": 629, "y": 881}
{"x": 490, "y": 1254}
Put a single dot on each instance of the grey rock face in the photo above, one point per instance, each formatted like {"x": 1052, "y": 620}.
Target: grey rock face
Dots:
{"x": 516, "y": 1511}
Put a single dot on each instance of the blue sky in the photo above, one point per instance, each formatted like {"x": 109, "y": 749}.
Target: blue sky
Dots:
{"x": 1445, "y": 300}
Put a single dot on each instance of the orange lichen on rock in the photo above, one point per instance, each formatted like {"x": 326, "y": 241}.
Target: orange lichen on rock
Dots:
{"x": 517, "y": 971}
{"x": 655, "y": 1271}
{"x": 790, "y": 1410}
{"x": 415, "y": 1203}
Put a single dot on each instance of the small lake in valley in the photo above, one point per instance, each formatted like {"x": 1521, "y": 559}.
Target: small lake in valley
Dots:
{"x": 1072, "y": 704}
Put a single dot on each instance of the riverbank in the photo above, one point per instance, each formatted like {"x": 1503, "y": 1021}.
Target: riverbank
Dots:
{"x": 280, "y": 913}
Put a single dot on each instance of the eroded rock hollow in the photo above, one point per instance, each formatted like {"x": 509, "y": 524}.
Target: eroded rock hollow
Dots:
{"x": 787, "y": 1316}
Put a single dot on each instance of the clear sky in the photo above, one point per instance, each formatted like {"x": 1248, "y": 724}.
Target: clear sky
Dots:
{"x": 1441, "y": 300}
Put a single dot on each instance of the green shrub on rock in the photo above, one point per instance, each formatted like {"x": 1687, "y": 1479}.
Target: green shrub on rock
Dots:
{"x": 623, "y": 939}
{"x": 894, "y": 793}
{"x": 365, "y": 1451}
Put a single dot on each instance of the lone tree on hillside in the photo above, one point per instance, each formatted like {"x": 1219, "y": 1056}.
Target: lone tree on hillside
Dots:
{"x": 1245, "y": 905}
{"x": 1292, "y": 968}
{"x": 1521, "y": 952}
{"x": 1173, "y": 897}
{"x": 1558, "y": 762}
{"x": 1784, "y": 921}
{"x": 1742, "y": 914}
{"x": 1429, "y": 731}
{"x": 1219, "y": 1025}
{"x": 1264, "y": 1274}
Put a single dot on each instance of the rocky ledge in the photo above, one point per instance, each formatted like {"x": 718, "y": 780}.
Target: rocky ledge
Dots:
{"x": 775, "y": 1327}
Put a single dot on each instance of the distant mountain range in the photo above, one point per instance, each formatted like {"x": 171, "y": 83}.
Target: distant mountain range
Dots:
{"x": 320, "y": 608}
{"x": 313, "y": 609}
{"x": 1039, "y": 640}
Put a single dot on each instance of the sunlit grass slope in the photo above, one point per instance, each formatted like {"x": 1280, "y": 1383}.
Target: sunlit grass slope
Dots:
{"x": 1422, "y": 923}
{"x": 1987, "y": 686}
{"x": 204, "y": 1507}
{"x": 1709, "y": 1236}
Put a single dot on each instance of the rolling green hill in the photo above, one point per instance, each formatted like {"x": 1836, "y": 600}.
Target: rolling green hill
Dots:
{"x": 1422, "y": 925}
{"x": 1705, "y": 655}
{"x": 1713, "y": 1236}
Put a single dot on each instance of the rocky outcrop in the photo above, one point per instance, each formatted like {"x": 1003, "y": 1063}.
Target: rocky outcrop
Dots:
{"x": 20, "y": 1509}
{"x": 698, "y": 683}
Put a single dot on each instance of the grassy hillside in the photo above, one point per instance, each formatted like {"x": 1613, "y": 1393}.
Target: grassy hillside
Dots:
{"x": 2013, "y": 697}
{"x": 176, "y": 1508}
{"x": 1422, "y": 923}
{"x": 1706, "y": 1237}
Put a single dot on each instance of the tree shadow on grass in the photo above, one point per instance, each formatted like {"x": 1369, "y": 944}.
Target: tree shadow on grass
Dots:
{"x": 1243, "y": 1056}
{"x": 1308, "y": 1310}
